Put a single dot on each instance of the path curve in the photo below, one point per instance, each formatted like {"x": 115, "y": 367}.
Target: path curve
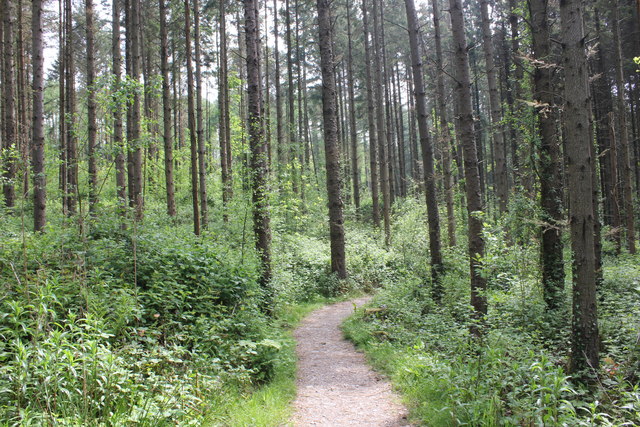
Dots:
{"x": 335, "y": 386}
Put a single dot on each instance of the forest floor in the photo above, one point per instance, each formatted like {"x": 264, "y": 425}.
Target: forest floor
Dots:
{"x": 335, "y": 385}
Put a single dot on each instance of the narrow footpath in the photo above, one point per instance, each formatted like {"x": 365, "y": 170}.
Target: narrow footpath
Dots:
{"x": 335, "y": 385}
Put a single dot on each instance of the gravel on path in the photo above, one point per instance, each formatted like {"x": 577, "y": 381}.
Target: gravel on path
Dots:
{"x": 336, "y": 387}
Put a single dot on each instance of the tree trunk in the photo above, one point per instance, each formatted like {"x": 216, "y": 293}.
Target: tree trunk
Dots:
{"x": 501, "y": 180}
{"x": 444, "y": 127}
{"x": 224, "y": 135}
{"x": 397, "y": 102}
{"x": 281, "y": 146}
{"x": 371, "y": 112}
{"x": 427, "y": 149}
{"x": 135, "y": 141}
{"x": 24, "y": 109}
{"x": 91, "y": 109}
{"x": 121, "y": 183}
{"x": 605, "y": 137}
{"x": 550, "y": 159}
{"x": 585, "y": 341}
{"x": 70, "y": 103}
{"x": 192, "y": 120}
{"x": 471, "y": 172}
{"x": 332, "y": 147}
{"x": 291, "y": 121}
{"x": 9, "y": 138}
{"x": 166, "y": 108}
{"x": 202, "y": 164}
{"x": 627, "y": 190}
{"x": 258, "y": 161}
{"x": 62, "y": 131}
{"x": 515, "y": 92}
{"x": 355, "y": 170}
{"x": 379, "y": 82}
{"x": 37, "y": 147}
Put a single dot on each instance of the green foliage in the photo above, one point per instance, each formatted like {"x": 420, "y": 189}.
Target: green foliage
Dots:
{"x": 516, "y": 373}
{"x": 128, "y": 326}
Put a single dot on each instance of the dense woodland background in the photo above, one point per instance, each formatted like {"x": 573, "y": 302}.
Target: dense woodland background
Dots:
{"x": 183, "y": 179}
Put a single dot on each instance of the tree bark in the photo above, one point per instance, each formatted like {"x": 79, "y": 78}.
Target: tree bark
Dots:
{"x": 621, "y": 109}
{"x": 202, "y": 154}
{"x": 332, "y": 147}
{"x": 427, "y": 150}
{"x": 91, "y": 109}
{"x": 501, "y": 179}
{"x": 291, "y": 120}
{"x": 9, "y": 138}
{"x": 258, "y": 161}
{"x": 224, "y": 135}
{"x": 136, "y": 149}
{"x": 62, "y": 128}
{"x": 550, "y": 159}
{"x": 355, "y": 170}
{"x": 166, "y": 108}
{"x": 192, "y": 120}
{"x": 605, "y": 138}
{"x": 37, "y": 147}
{"x": 121, "y": 183}
{"x": 371, "y": 112}
{"x": 281, "y": 146}
{"x": 70, "y": 111}
{"x": 585, "y": 342}
{"x": 472, "y": 176}
{"x": 383, "y": 156}
{"x": 444, "y": 127}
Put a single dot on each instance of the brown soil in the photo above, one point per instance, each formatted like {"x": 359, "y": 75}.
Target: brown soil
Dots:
{"x": 335, "y": 386}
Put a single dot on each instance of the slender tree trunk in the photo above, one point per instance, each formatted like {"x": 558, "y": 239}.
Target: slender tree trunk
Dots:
{"x": 259, "y": 169}
{"x": 202, "y": 154}
{"x": 413, "y": 137}
{"x": 515, "y": 91}
{"x": 385, "y": 83}
{"x": 397, "y": 102}
{"x": 37, "y": 147}
{"x": 550, "y": 159}
{"x": 472, "y": 175}
{"x": 91, "y": 109}
{"x": 444, "y": 127}
{"x": 9, "y": 136}
{"x": 62, "y": 105}
{"x": 332, "y": 147}
{"x": 427, "y": 149}
{"x": 223, "y": 106}
{"x": 281, "y": 146}
{"x": 355, "y": 170}
{"x": 166, "y": 108}
{"x": 605, "y": 137}
{"x": 378, "y": 83}
{"x": 121, "y": 183}
{"x": 585, "y": 341}
{"x": 136, "y": 150}
{"x": 192, "y": 120}
{"x": 70, "y": 102}
{"x": 291, "y": 121}
{"x": 615, "y": 189}
{"x": 343, "y": 130}
{"x": 621, "y": 105}
{"x": 371, "y": 113}
{"x": 299, "y": 66}
{"x": 501, "y": 179}
{"x": 24, "y": 108}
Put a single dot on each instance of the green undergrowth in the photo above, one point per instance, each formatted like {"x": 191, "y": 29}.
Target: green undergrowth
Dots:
{"x": 516, "y": 375}
{"x": 151, "y": 325}
{"x": 266, "y": 404}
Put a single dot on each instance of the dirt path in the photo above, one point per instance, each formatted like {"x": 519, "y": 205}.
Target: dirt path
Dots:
{"x": 335, "y": 386}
